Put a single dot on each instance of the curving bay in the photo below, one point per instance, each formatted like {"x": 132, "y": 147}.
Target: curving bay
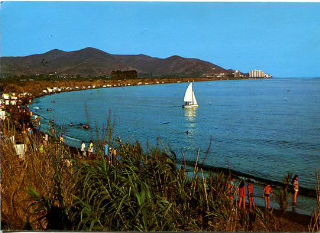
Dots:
{"x": 262, "y": 127}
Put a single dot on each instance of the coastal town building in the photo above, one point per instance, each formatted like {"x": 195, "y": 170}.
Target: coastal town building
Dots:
{"x": 11, "y": 98}
{"x": 5, "y": 96}
{"x": 219, "y": 75}
{"x": 258, "y": 74}
{"x": 238, "y": 74}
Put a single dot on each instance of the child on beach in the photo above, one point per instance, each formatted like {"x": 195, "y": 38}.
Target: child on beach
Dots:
{"x": 83, "y": 149}
{"x": 242, "y": 194}
{"x": 250, "y": 195}
{"x": 267, "y": 192}
{"x": 90, "y": 150}
{"x": 61, "y": 139}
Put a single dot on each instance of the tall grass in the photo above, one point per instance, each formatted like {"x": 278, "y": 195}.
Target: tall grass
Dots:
{"x": 40, "y": 170}
{"x": 283, "y": 195}
{"x": 314, "y": 225}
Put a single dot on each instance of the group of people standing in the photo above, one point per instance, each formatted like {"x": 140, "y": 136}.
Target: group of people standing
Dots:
{"x": 267, "y": 192}
{"x": 241, "y": 190}
{"x": 109, "y": 152}
{"x": 90, "y": 149}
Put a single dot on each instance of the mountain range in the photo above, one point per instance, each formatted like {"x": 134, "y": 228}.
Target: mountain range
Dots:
{"x": 94, "y": 62}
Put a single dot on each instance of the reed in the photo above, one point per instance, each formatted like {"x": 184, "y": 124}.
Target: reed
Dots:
{"x": 314, "y": 225}
{"x": 283, "y": 195}
{"x": 40, "y": 170}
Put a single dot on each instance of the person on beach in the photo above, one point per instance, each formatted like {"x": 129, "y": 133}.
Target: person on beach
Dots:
{"x": 61, "y": 139}
{"x": 295, "y": 185}
{"x": 250, "y": 195}
{"x": 29, "y": 130}
{"x": 90, "y": 150}
{"x": 242, "y": 194}
{"x": 45, "y": 139}
{"x": 231, "y": 188}
{"x": 114, "y": 154}
{"x": 83, "y": 149}
{"x": 267, "y": 192}
{"x": 106, "y": 152}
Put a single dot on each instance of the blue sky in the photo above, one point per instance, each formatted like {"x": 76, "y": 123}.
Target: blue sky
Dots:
{"x": 282, "y": 39}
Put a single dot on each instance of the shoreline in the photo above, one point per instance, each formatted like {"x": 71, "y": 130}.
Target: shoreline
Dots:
{"x": 302, "y": 191}
{"x": 49, "y": 87}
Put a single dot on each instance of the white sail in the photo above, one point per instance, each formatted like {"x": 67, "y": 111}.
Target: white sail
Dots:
{"x": 188, "y": 94}
{"x": 194, "y": 100}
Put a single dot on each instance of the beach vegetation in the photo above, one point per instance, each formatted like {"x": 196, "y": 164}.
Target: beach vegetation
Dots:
{"x": 314, "y": 225}
{"x": 283, "y": 195}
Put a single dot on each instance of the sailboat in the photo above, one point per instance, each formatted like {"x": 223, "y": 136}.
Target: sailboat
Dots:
{"x": 189, "y": 98}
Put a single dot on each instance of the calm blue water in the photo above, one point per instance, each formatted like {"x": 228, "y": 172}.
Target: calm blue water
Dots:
{"x": 261, "y": 127}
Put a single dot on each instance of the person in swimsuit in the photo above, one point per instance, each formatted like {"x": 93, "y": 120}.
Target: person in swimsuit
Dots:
{"x": 90, "y": 150}
{"x": 250, "y": 195}
{"x": 242, "y": 195}
{"x": 295, "y": 185}
{"x": 231, "y": 189}
{"x": 266, "y": 194}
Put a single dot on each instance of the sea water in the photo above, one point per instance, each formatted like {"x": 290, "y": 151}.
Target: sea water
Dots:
{"x": 262, "y": 127}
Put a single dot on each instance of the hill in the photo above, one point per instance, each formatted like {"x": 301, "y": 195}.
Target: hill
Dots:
{"x": 95, "y": 62}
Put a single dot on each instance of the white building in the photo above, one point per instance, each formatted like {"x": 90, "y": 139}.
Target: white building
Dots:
{"x": 6, "y": 96}
{"x": 256, "y": 74}
{"x": 237, "y": 74}
{"x": 267, "y": 75}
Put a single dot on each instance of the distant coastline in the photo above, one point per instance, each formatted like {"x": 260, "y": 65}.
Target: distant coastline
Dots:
{"x": 33, "y": 88}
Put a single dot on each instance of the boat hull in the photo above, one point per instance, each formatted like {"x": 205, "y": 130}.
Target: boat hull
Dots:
{"x": 190, "y": 106}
